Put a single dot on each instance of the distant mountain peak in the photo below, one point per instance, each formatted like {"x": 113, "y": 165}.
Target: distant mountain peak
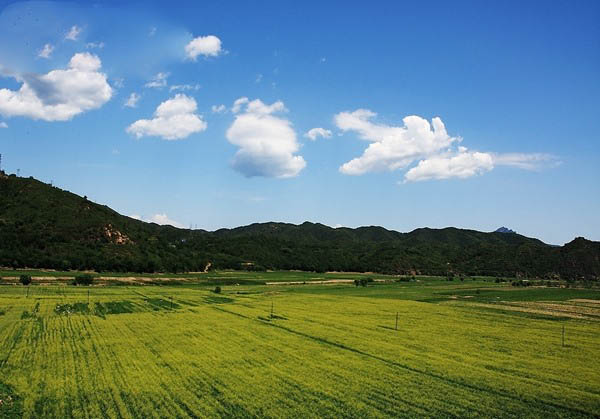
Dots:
{"x": 505, "y": 230}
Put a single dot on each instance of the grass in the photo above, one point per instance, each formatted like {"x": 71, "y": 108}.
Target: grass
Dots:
{"x": 325, "y": 351}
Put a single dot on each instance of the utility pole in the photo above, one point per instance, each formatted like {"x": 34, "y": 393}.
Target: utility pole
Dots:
{"x": 396, "y": 320}
{"x": 563, "y": 336}
{"x": 271, "y": 309}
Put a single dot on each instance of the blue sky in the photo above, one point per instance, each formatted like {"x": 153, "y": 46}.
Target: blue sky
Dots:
{"x": 469, "y": 114}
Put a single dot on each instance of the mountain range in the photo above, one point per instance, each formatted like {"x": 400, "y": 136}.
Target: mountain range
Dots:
{"x": 42, "y": 226}
{"x": 504, "y": 230}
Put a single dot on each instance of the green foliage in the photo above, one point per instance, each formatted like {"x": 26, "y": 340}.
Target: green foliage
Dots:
{"x": 71, "y": 308}
{"x": 84, "y": 279}
{"x": 456, "y": 353}
{"x": 25, "y": 279}
{"x": 11, "y": 405}
{"x": 45, "y": 227}
{"x": 217, "y": 290}
{"x": 363, "y": 282}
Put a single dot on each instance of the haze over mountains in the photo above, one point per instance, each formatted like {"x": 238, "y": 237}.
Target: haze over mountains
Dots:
{"x": 42, "y": 226}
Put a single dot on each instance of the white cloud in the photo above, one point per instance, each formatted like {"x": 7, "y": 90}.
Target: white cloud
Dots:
{"x": 437, "y": 153}
{"x": 392, "y": 147}
{"x": 314, "y": 133}
{"x": 219, "y": 108}
{"x": 92, "y": 45}
{"x": 152, "y": 31}
{"x": 258, "y": 107}
{"x": 46, "y": 52}
{"x": 237, "y": 105}
{"x": 132, "y": 100}
{"x": 259, "y": 78}
{"x": 209, "y": 46}
{"x": 158, "y": 81}
{"x": 160, "y": 219}
{"x": 60, "y": 94}
{"x": 3, "y": 125}
{"x": 118, "y": 82}
{"x": 73, "y": 34}
{"x": 527, "y": 161}
{"x": 184, "y": 87}
{"x": 462, "y": 165}
{"x": 267, "y": 142}
{"x": 174, "y": 119}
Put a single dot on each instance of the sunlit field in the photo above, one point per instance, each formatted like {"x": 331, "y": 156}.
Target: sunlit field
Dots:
{"x": 428, "y": 347}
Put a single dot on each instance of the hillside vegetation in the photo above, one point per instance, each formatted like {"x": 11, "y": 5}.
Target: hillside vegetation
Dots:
{"x": 45, "y": 227}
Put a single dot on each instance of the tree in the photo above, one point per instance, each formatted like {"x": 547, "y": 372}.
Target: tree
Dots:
{"x": 25, "y": 279}
{"x": 217, "y": 290}
{"x": 85, "y": 279}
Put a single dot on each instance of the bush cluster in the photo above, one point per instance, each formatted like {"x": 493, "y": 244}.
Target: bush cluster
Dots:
{"x": 25, "y": 279}
{"x": 363, "y": 282}
{"x": 85, "y": 279}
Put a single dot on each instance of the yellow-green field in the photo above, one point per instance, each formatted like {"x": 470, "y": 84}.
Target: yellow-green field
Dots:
{"x": 461, "y": 349}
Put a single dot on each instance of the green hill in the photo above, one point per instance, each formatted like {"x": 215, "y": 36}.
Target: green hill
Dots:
{"x": 45, "y": 227}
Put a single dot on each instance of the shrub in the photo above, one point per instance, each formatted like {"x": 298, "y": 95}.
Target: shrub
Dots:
{"x": 25, "y": 279}
{"x": 217, "y": 290}
{"x": 85, "y": 279}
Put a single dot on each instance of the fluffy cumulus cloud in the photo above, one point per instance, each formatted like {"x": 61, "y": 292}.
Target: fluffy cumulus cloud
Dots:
{"x": 3, "y": 125}
{"x": 462, "y": 164}
{"x": 174, "y": 119}
{"x": 219, "y": 108}
{"x": 428, "y": 145}
{"x": 392, "y": 147}
{"x": 160, "y": 219}
{"x": 315, "y": 133}
{"x": 208, "y": 46}
{"x": 73, "y": 33}
{"x": 46, "y": 51}
{"x": 158, "y": 81}
{"x": 132, "y": 100}
{"x": 267, "y": 142}
{"x": 238, "y": 104}
{"x": 60, "y": 94}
